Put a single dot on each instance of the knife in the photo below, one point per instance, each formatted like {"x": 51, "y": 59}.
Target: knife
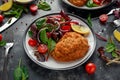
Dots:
{"x": 8, "y": 23}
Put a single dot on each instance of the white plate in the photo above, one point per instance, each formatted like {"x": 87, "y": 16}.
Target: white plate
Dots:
{"x": 51, "y": 63}
{"x": 87, "y": 8}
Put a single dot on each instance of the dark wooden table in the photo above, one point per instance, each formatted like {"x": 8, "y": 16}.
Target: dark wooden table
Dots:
{"x": 17, "y": 30}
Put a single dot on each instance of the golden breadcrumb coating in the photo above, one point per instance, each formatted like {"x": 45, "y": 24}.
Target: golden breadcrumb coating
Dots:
{"x": 78, "y": 2}
{"x": 72, "y": 46}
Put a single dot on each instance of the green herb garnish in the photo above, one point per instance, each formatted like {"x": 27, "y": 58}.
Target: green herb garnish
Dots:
{"x": 2, "y": 43}
{"x": 111, "y": 48}
{"x": 44, "y": 6}
{"x": 21, "y": 72}
{"x": 91, "y": 4}
{"x": 89, "y": 21}
{"x": 40, "y": 23}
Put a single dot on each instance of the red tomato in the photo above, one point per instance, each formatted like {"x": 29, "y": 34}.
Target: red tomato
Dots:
{"x": 97, "y": 1}
{"x": 1, "y": 18}
{"x": 32, "y": 42}
{"x": 90, "y": 68}
{"x": 1, "y": 37}
{"x": 66, "y": 27}
{"x": 103, "y": 18}
{"x": 33, "y": 8}
{"x": 42, "y": 48}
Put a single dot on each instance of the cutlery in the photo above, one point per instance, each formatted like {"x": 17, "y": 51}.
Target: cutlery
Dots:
{"x": 8, "y": 23}
{"x": 111, "y": 11}
{"x": 8, "y": 46}
{"x": 117, "y": 22}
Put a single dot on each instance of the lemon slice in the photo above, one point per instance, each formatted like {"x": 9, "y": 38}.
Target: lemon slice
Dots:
{"x": 116, "y": 34}
{"x": 6, "y": 6}
{"x": 80, "y": 29}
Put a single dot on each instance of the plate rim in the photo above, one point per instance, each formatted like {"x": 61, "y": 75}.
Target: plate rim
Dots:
{"x": 68, "y": 3}
{"x": 67, "y": 68}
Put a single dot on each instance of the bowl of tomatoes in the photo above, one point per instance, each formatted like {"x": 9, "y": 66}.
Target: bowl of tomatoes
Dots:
{"x": 88, "y": 4}
{"x": 45, "y": 32}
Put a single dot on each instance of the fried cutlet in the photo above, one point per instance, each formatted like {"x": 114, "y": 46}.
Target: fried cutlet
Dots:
{"x": 72, "y": 46}
{"x": 78, "y": 2}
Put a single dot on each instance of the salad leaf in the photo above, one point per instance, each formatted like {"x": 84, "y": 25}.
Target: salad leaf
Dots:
{"x": 51, "y": 44}
{"x": 44, "y": 6}
{"x": 40, "y": 23}
{"x": 2, "y": 43}
{"x": 91, "y": 4}
{"x": 43, "y": 36}
{"x": 30, "y": 33}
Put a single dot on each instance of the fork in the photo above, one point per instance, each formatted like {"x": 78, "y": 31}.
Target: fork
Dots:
{"x": 8, "y": 46}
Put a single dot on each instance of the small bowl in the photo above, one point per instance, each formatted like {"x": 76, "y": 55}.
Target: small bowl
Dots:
{"x": 24, "y": 1}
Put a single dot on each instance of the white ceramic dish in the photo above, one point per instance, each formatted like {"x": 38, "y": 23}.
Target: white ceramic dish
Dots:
{"x": 24, "y": 1}
{"x": 51, "y": 63}
{"x": 86, "y": 8}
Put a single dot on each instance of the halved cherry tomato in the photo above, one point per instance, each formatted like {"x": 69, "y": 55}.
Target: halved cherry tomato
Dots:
{"x": 42, "y": 48}
{"x": 90, "y": 68}
{"x": 33, "y": 8}
{"x": 1, "y": 18}
{"x": 1, "y": 37}
{"x": 66, "y": 27}
{"x": 32, "y": 42}
{"x": 103, "y": 18}
{"x": 97, "y": 2}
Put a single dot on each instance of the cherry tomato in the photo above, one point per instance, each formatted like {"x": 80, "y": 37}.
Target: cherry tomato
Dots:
{"x": 1, "y": 37}
{"x": 90, "y": 68}
{"x": 33, "y": 8}
{"x": 42, "y": 48}
{"x": 32, "y": 42}
{"x": 97, "y": 2}
{"x": 1, "y": 18}
{"x": 66, "y": 27}
{"x": 103, "y": 18}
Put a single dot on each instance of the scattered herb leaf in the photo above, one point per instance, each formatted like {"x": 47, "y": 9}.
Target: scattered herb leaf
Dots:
{"x": 89, "y": 20}
{"x": 40, "y": 23}
{"x": 44, "y": 6}
{"x": 2, "y": 43}
{"x": 21, "y": 72}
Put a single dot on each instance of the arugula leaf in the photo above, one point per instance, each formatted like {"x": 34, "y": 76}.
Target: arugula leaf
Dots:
{"x": 43, "y": 36}
{"x": 89, "y": 20}
{"x": 40, "y": 23}
{"x": 30, "y": 33}
{"x": 114, "y": 54}
{"x": 2, "y": 43}
{"x": 44, "y": 6}
{"x": 51, "y": 44}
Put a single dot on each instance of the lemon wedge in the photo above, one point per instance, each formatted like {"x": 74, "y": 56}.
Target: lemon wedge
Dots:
{"x": 6, "y": 6}
{"x": 80, "y": 29}
{"x": 116, "y": 34}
